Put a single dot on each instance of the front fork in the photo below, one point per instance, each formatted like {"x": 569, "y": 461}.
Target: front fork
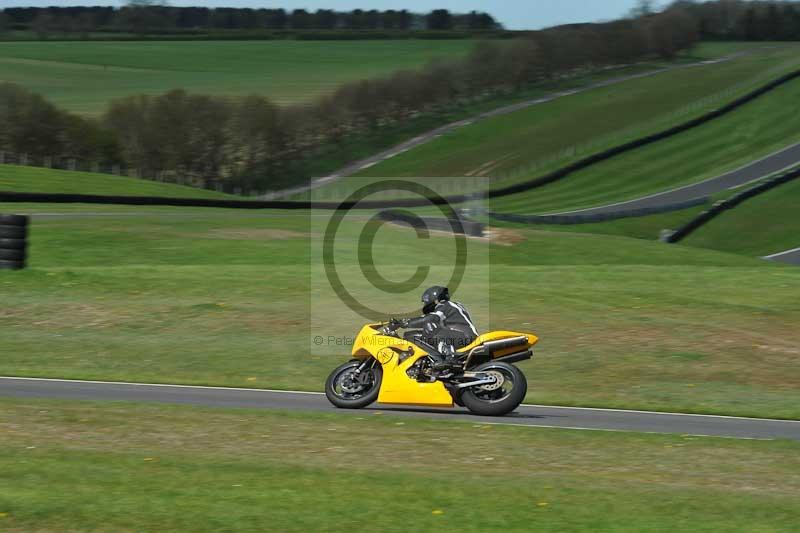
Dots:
{"x": 365, "y": 364}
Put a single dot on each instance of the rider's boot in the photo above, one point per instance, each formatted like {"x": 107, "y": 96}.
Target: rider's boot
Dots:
{"x": 449, "y": 361}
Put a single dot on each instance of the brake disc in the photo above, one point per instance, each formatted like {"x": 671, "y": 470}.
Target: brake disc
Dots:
{"x": 498, "y": 381}
{"x": 351, "y": 385}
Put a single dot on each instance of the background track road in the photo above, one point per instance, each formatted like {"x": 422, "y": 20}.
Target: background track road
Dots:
{"x": 791, "y": 257}
{"x": 779, "y": 161}
{"x": 526, "y": 415}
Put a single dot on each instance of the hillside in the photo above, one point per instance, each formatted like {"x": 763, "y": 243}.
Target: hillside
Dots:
{"x": 31, "y": 179}
{"x": 84, "y": 76}
{"x": 527, "y": 143}
{"x": 753, "y": 131}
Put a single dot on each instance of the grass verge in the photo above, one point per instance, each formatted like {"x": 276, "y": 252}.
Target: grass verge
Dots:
{"x": 83, "y": 466}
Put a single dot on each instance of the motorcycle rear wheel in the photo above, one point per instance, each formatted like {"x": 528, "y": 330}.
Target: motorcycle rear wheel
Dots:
{"x": 343, "y": 391}
{"x": 500, "y": 401}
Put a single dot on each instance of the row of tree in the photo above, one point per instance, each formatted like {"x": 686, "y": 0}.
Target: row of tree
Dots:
{"x": 745, "y": 20}
{"x": 256, "y": 145}
{"x": 142, "y": 16}
{"x": 31, "y": 125}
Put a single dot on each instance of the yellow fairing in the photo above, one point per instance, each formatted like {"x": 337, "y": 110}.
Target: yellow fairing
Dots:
{"x": 369, "y": 342}
{"x": 396, "y": 386}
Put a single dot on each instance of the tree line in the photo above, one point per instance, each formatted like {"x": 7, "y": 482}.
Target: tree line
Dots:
{"x": 31, "y": 125}
{"x": 745, "y": 20}
{"x": 254, "y": 144}
{"x": 143, "y": 17}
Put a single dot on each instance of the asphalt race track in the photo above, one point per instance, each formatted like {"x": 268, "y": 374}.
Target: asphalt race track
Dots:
{"x": 527, "y": 415}
{"x": 773, "y": 163}
{"x": 791, "y": 257}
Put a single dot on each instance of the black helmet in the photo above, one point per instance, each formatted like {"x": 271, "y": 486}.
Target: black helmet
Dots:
{"x": 433, "y": 296}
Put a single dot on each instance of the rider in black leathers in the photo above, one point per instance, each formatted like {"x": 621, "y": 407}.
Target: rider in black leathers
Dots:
{"x": 446, "y": 325}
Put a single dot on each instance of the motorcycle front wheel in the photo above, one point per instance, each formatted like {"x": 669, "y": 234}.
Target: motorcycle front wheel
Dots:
{"x": 501, "y": 397}
{"x": 346, "y": 390}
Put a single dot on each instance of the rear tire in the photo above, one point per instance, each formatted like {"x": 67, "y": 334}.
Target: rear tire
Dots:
{"x": 457, "y": 398}
{"x": 353, "y": 400}
{"x": 501, "y": 401}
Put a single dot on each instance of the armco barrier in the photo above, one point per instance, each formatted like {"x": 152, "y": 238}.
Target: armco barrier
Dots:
{"x": 13, "y": 242}
{"x": 720, "y": 207}
{"x": 417, "y": 202}
{"x": 578, "y": 218}
{"x": 459, "y": 226}
{"x": 204, "y": 202}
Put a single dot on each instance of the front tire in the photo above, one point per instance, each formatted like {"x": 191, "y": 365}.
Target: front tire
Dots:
{"x": 346, "y": 391}
{"x": 489, "y": 401}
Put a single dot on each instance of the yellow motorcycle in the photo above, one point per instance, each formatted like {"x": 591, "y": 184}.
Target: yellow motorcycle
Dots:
{"x": 394, "y": 369}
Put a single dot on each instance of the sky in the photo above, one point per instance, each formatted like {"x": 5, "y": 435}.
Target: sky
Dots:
{"x": 514, "y": 14}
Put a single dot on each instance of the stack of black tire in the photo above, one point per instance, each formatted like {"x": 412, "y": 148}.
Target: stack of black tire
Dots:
{"x": 13, "y": 242}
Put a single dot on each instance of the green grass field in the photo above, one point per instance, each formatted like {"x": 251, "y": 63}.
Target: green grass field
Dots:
{"x": 84, "y": 466}
{"x": 527, "y": 143}
{"x": 85, "y": 76}
{"x": 15, "y": 178}
{"x": 226, "y": 297}
{"x": 221, "y": 297}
